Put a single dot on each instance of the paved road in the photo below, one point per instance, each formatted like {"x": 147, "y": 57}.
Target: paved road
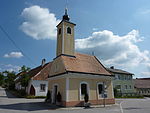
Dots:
{"x": 10, "y": 104}
{"x": 135, "y": 105}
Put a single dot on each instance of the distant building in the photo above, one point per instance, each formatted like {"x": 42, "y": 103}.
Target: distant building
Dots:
{"x": 38, "y": 82}
{"x": 142, "y": 86}
{"x": 123, "y": 81}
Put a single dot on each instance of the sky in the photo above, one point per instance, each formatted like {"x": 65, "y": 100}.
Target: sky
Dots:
{"x": 116, "y": 31}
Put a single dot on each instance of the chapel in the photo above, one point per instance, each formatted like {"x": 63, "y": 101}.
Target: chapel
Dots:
{"x": 73, "y": 75}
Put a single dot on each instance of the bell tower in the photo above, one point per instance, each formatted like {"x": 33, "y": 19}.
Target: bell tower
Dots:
{"x": 65, "y": 36}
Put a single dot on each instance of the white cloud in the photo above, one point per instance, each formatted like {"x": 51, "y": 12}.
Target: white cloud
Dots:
{"x": 147, "y": 73}
{"x": 95, "y": 29}
{"x": 14, "y": 55}
{"x": 9, "y": 67}
{"x": 39, "y": 23}
{"x": 120, "y": 51}
{"x": 145, "y": 12}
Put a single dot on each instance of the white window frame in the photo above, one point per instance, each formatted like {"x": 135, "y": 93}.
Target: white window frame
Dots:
{"x": 41, "y": 87}
{"x": 99, "y": 96}
{"x": 88, "y": 89}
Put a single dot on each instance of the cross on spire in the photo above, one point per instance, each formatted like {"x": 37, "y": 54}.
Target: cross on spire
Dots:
{"x": 66, "y": 17}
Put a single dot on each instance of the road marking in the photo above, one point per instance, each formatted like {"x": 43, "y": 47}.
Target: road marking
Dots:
{"x": 121, "y": 107}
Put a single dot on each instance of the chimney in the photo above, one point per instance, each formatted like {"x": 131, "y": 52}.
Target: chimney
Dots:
{"x": 43, "y": 62}
{"x": 112, "y": 67}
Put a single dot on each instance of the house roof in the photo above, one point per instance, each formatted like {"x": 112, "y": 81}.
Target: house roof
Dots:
{"x": 38, "y": 73}
{"x": 119, "y": 71}
{"x": 141, "y": 83}
{"x": 82, "y": 63}
{"x": 43, "y": 73}
{"x": 143, "y": 78}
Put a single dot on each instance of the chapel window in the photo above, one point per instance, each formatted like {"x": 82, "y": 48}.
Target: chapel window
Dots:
{"x": 59, "y": 31}
{"x": 68, "y": 30}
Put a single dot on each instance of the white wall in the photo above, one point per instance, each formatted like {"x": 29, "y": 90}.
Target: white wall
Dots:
{"x": 36, "y": 84}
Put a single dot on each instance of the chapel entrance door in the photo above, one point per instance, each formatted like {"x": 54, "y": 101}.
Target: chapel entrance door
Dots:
{"x": 55, "y": 94}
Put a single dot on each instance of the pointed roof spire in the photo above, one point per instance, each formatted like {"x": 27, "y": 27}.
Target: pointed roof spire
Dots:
{"x": 66, "y": 17}
{"x": 66, "y": 11}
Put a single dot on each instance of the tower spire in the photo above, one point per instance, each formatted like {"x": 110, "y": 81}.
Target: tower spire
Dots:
{"x": 66, "y": 17}
{"x": 66, "y": 10}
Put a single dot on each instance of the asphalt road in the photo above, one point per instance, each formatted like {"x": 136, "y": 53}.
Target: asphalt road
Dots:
{"x": 135, "y": 105}
{"x": 11, "y": 104}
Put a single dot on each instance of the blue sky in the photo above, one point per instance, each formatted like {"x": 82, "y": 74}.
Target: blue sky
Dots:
{"x": 116, "y": 31}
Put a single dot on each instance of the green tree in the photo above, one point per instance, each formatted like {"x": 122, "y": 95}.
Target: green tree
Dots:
{"x": 24, "y": 77}
{"x": 1, "y": 79}
{"x": 24, "y": 69}
{"x": 9, "y": 79}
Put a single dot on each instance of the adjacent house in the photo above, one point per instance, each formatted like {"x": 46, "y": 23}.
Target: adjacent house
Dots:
{"x": 74, "y": 75}
{"x": 142, "y": 86}
{"x": 123, "y": 81}
{"x": 38, "y": 82}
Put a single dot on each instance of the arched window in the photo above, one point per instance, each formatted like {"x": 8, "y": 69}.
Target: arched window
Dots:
{"x": 100, "y": 89}
{"x": 84, "y": 89}
{"x": 68, "y": 30}
{"x": 59, "y": 31}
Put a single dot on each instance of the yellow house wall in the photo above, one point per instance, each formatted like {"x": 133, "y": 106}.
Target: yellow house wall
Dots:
{"x": 68, "y": 39}
{"x": 61, "y": 86}
{"x": 57, "y": 67}
{"x": 65, "y": 42}
{"x": 59, "y": 41}
{"x": 74, "y": 88}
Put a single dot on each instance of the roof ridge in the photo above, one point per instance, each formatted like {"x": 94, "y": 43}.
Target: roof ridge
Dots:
{"x": 41, "y": 69}
{"x": 102, "y": 65}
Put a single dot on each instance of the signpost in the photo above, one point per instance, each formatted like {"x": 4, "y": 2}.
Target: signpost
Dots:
{"x": 104, "y": 93}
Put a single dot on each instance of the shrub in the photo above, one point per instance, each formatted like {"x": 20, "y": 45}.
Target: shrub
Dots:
{"x": 86, "y": 98}
{"x": 48, "y": 96}
{"x": 59, "y": 97}
{"x": 34, "y": 97}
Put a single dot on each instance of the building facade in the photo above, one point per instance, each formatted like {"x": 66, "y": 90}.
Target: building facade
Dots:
{"x": 142, "y": 86}
{"x": 38, "y": 83}
{"x": 75, "y": 75}
{"x": 123, "y": 81}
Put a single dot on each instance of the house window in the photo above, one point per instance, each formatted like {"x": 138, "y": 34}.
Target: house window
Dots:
{"x": 100, "y": 89}
{"x": 119, "y": 77}
{"x": 68, "y": 30}
{"x": 126, "y": 87}
{"x": 42, "y": 87}
{"x": 59, "y": 31}
{"x": 84, "y": 89}
{"x": 116, "y": 77}
{"x": 125, "y": 77}
{"x": 130, "y": 87}
{"x": 118, "y": 87}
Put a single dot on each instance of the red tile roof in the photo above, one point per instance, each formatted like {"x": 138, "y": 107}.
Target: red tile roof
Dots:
{"x": 119, "y": 71}
{"x": 82, "y": 63}
{"x": 43, "y": 73}
{"x": 141, "y": 83}
{"x": 38, "y": 73}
